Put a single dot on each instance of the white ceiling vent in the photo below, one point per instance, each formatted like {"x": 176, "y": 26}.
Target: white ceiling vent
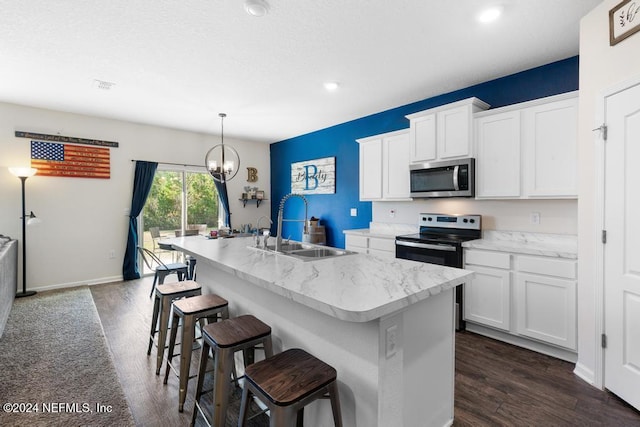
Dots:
{"x": 102, "y": 85}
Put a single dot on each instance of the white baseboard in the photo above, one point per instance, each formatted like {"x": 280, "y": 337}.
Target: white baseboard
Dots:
{"x": 98, "y": 281}
{"x": 539, "y": 347}
{"x": 585, "y": 374}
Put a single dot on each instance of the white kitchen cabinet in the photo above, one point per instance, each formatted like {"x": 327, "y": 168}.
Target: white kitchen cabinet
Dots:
{"x": 530, "y": 297}
{"x": 487, "y": 298}
{"x": 381, "y": 246}
{"x": 528, "y": 150}
{"x": 549, "y": 140}
{"x": 371, "y": 169}
{"x": 384, "y": 166}
{"x": 444, "y": 132}
{"x": 498, "y": 155}
{"x": 422, "y": 137}
{"x": 546, "y": 308}
{"x": 356, "y": 243}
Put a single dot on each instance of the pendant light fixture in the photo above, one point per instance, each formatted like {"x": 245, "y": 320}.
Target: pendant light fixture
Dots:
{"x": 222, "y": 161}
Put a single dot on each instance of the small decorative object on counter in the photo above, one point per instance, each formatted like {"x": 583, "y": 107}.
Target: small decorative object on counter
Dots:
{"x": 315, "y": 232}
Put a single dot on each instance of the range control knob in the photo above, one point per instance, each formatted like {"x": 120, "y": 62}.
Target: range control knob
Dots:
{"x": 466, "y": 220}
{"x": 472, "y": 220}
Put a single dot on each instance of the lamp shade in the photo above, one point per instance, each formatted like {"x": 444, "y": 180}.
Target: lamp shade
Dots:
{"x": 23, "y": 172}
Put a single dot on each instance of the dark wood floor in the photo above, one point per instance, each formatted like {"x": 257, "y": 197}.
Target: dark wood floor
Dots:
{"x": 496, "y": 383}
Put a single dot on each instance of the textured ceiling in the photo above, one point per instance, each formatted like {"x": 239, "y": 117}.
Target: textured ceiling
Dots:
{"x": 179, "y": 63}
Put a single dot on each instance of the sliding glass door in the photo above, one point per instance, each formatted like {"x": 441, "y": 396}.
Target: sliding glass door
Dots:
{"x": 181, "y": 202}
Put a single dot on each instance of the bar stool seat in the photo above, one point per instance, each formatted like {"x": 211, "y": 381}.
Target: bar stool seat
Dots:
{"x": 164, "y": 296}
{"x": 225, "y": 338}
{"x": 286, "y": 383}
{"x": 189, "y": 310}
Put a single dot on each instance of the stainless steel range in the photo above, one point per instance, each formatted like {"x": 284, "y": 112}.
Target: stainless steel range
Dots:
{"x": 440, "y": 242}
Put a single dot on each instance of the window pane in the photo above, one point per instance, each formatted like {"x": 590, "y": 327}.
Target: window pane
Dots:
{"x": 164, "y": 204}
{"x": 202, "y": 202}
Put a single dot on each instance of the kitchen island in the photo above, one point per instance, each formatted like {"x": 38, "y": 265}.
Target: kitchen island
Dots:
{"x": 386, "y": 325}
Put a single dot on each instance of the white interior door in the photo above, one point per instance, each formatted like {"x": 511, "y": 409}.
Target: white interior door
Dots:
{"x": 622, "y": 250}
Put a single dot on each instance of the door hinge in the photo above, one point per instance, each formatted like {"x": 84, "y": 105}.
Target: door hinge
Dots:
{"x": 603, "y": 129}
{"x": 603, "y": 341}
{"x": 604, "y": 236}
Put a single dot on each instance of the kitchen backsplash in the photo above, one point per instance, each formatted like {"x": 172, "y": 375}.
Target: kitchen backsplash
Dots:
{"x": 555, "y": 216}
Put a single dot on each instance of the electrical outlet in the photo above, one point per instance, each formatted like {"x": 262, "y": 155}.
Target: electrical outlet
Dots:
{"x": 112, "y": 254}
{"x": 391, "y": 340}
{"x": 535, "y": 218}
{"x": 354, "y": 212}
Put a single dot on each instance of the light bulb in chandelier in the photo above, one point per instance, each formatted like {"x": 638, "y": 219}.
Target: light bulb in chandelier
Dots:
{"x": 222, "y": 161}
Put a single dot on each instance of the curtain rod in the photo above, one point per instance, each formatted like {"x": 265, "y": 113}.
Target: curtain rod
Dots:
{"x": 167, "y": 163}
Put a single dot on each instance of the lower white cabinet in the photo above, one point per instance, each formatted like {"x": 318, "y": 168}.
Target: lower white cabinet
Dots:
{"x": 546, "y": 308}
{"x": 380, "y": 246}
{"x": 532, "y": 297}
{"x": 487, "y": 299}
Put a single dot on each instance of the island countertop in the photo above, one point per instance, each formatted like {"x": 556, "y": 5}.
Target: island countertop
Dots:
{"x": 355, "y": 287}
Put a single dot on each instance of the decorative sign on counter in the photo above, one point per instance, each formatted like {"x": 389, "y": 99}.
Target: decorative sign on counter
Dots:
{"x": 68, "y": 160}
{"x": 314, "y": 176}
{"x": 624, "y": 20}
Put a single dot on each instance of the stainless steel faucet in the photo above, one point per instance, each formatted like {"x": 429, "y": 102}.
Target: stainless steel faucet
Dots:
{"x": 280, "y": 219}
{"x": 266, "y": 233}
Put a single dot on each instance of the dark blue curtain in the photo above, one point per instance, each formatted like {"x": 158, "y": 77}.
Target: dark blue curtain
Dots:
{"x": 142, "y": 182}
{"x": 224, "y": 198}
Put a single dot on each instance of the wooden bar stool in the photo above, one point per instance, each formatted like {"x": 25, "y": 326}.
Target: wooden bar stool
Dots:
{"x": 165, "y": 295}
{"x": 190, "y": 310}
{"x": 286, "y": 383}
{"x": 240, "y": 333}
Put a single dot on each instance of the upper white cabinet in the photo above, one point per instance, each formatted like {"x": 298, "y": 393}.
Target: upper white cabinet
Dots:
{"x": 549, "y": 141}
{"x": 370, "y": 169}
{"x": 384, "y": 166}
{"x": 498, "y": 155}
{"x": 528, "y": 150}
{"x": 445, "y": 132}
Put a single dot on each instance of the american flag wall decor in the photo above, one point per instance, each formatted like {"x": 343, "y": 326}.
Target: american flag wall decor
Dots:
{"x": 68, "y": 160}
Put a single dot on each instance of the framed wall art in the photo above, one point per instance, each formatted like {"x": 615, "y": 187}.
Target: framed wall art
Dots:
{"x": 624, "y": 21}
{"x": 316, "y": 176}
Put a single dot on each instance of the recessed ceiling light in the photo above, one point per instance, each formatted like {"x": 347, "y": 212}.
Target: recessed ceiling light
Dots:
{"x": 490, "y": 15}
{"x": 331, "y": 86}
{"x": 256, "y": 7}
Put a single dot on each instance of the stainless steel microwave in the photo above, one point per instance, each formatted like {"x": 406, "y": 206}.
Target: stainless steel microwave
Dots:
{"x": 451, "y": 178}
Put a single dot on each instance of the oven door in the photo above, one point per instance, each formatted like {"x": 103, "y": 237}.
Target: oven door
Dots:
{"x": 436, "y": 253}
{"x": 433, "y": 253}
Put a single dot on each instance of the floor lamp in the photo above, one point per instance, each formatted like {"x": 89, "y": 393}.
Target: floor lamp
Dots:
{"x": 23, "y": 174}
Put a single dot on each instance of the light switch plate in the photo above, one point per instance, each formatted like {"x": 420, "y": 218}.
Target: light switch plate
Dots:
{"x": 354, "y": 212}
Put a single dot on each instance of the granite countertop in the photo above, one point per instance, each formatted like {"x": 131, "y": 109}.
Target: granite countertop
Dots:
{"x": 551, "y": 245}
{"x": 355, "y": 287}
{"x": 384, "y": 230}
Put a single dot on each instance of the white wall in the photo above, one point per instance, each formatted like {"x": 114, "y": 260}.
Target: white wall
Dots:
{"x": 601, "y": 67}
{"x": 556, "y": 216}
{"x": 84, "y": 219}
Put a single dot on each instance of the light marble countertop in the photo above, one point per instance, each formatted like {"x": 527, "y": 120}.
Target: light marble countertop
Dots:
{"x": 355, "y": 287}
{"x": 551, "y": 245}
{"x": 384, "y": 230}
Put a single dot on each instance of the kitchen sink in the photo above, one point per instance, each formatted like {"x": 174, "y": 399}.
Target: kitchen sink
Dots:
{"x": 305, "y": 252}
{"x": 318, "y": 252}
{"x": 289, "y": 246}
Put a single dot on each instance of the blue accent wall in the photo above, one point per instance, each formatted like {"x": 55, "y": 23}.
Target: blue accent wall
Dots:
{"x": 340, "y": 141}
